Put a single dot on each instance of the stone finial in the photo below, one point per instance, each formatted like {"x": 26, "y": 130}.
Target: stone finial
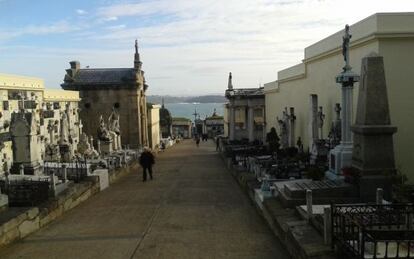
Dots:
{"x": 230, "y": 84}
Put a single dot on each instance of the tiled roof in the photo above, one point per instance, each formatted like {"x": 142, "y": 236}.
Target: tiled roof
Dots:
{"x": 104, "y": 75}
{"x": 259, "y": 92}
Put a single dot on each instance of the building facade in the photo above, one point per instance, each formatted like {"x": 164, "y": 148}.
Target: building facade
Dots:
{"x": 213, "y": 125}
{"x": 245, "y": 113}
{"x": 391, "y": 35}
{"x": 181, "y": 127}
{"x": 104, "y": 89}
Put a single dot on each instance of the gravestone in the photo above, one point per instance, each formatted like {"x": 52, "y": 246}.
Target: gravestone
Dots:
{"x": 25, "y": 143}
{"x": 373, "y": 153}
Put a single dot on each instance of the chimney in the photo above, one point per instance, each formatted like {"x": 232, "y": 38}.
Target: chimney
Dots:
{"x": 75, "y": 65}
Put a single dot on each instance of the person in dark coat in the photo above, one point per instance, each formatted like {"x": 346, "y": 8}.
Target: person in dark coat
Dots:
{"x": 146, "y": 160}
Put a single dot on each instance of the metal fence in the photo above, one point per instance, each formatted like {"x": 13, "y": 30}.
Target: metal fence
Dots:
{"x": 75, "y": 171}
{"x": 373, "y": 231}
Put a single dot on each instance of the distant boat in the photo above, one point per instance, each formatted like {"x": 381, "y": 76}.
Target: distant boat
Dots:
{"x": 196, "y": 103}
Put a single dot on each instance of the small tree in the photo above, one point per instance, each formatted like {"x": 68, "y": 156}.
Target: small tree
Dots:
{"x": 273, "y": 140}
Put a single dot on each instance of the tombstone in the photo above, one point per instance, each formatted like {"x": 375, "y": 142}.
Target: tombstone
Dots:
{"x": 373, "y": 129}
{"x": 284, "y": 138}
{"x": 321, "y": 118}
{"x": 340, "y": 157}
{"x": 335, "y": 132}
{"x": 313, "y": 122}
{"x": 292, "y": 119}
{"x": 51, "y": 150}
{"x": 318, "y": 149}
{"x": 25, "y": 143}
{"x": 65, "y": 146}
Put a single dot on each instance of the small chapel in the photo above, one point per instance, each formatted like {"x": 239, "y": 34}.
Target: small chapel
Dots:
{"x": 107, "y": 90}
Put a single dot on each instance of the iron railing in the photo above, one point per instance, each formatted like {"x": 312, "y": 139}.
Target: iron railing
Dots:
{"x": 75, "y": 171}
{"x": 373, "y": 231}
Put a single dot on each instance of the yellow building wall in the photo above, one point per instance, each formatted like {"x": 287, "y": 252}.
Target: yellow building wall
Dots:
{"x": 323, "y": 62}
{"x": 399, "y": 66}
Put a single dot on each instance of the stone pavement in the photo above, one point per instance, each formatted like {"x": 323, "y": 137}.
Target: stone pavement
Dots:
{"x": 192, "y": 209}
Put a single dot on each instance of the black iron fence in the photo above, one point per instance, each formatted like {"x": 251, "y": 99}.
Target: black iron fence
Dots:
{"x": 75, "y": 171}
{"x": 373, "y": 231}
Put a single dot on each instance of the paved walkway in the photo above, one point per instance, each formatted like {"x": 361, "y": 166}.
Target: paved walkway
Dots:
{"x": 192, "y": 209}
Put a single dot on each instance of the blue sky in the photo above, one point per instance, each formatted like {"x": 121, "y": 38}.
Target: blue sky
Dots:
{"x": 187, "y": 46}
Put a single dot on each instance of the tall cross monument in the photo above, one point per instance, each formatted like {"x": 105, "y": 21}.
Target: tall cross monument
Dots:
{"x": 341, "y": 156}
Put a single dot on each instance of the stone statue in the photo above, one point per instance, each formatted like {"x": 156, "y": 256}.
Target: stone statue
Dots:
{"x": 299, "y": 144}
{"x": 345, "y": 48}
{"x": 283, "y": 133}
{"x": 64, "y": 129}
{"x": 113, "y": 122}
{"x": 103, "y": 133}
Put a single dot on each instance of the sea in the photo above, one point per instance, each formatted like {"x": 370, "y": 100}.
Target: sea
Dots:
{"x": 187, "y": 110}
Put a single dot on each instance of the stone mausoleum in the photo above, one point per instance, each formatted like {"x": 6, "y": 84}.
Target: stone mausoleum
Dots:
{"x": 103, "y": 90}
{"x": 245, "y": 113}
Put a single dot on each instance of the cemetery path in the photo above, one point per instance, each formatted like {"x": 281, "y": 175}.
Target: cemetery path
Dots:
{"x": 192, "y": 209}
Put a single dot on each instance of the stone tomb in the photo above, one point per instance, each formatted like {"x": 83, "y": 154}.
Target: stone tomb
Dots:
{"x": 373, "y": 153}
{"x": 293, "y": 193}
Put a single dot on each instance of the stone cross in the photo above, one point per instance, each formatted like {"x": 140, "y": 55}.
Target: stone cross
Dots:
{"x": 321, "y": 118}
{"x": 292, "y": 119}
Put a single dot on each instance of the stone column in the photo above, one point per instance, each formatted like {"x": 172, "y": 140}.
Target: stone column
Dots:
{"x": 139, "y": 120}
{"x": 250, "y": 123}
{"x": 231, "y": 122}
{"x": 346, "y": 115}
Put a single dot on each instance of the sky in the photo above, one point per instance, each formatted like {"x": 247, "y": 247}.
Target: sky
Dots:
{"x": 187, "y": 47}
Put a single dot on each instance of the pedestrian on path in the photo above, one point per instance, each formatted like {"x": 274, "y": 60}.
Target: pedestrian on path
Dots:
{"x": 146, "y": 160}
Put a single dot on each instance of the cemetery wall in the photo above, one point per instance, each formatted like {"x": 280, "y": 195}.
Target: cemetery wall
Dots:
{"x": 391, "y": 36}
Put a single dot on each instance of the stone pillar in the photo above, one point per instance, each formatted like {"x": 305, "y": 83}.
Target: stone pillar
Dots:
{"x": 250, "y": 123}
{"x": 313, "y": 122}
{"x": 232, "y": 120}
{"x": 139, "y": 121}
{"x": 346, "y": 115}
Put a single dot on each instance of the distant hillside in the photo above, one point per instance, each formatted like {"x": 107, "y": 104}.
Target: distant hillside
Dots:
{"x": 188, "y": 99}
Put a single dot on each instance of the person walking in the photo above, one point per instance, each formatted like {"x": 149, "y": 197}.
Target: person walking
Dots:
{"x": 146, "y": 160}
